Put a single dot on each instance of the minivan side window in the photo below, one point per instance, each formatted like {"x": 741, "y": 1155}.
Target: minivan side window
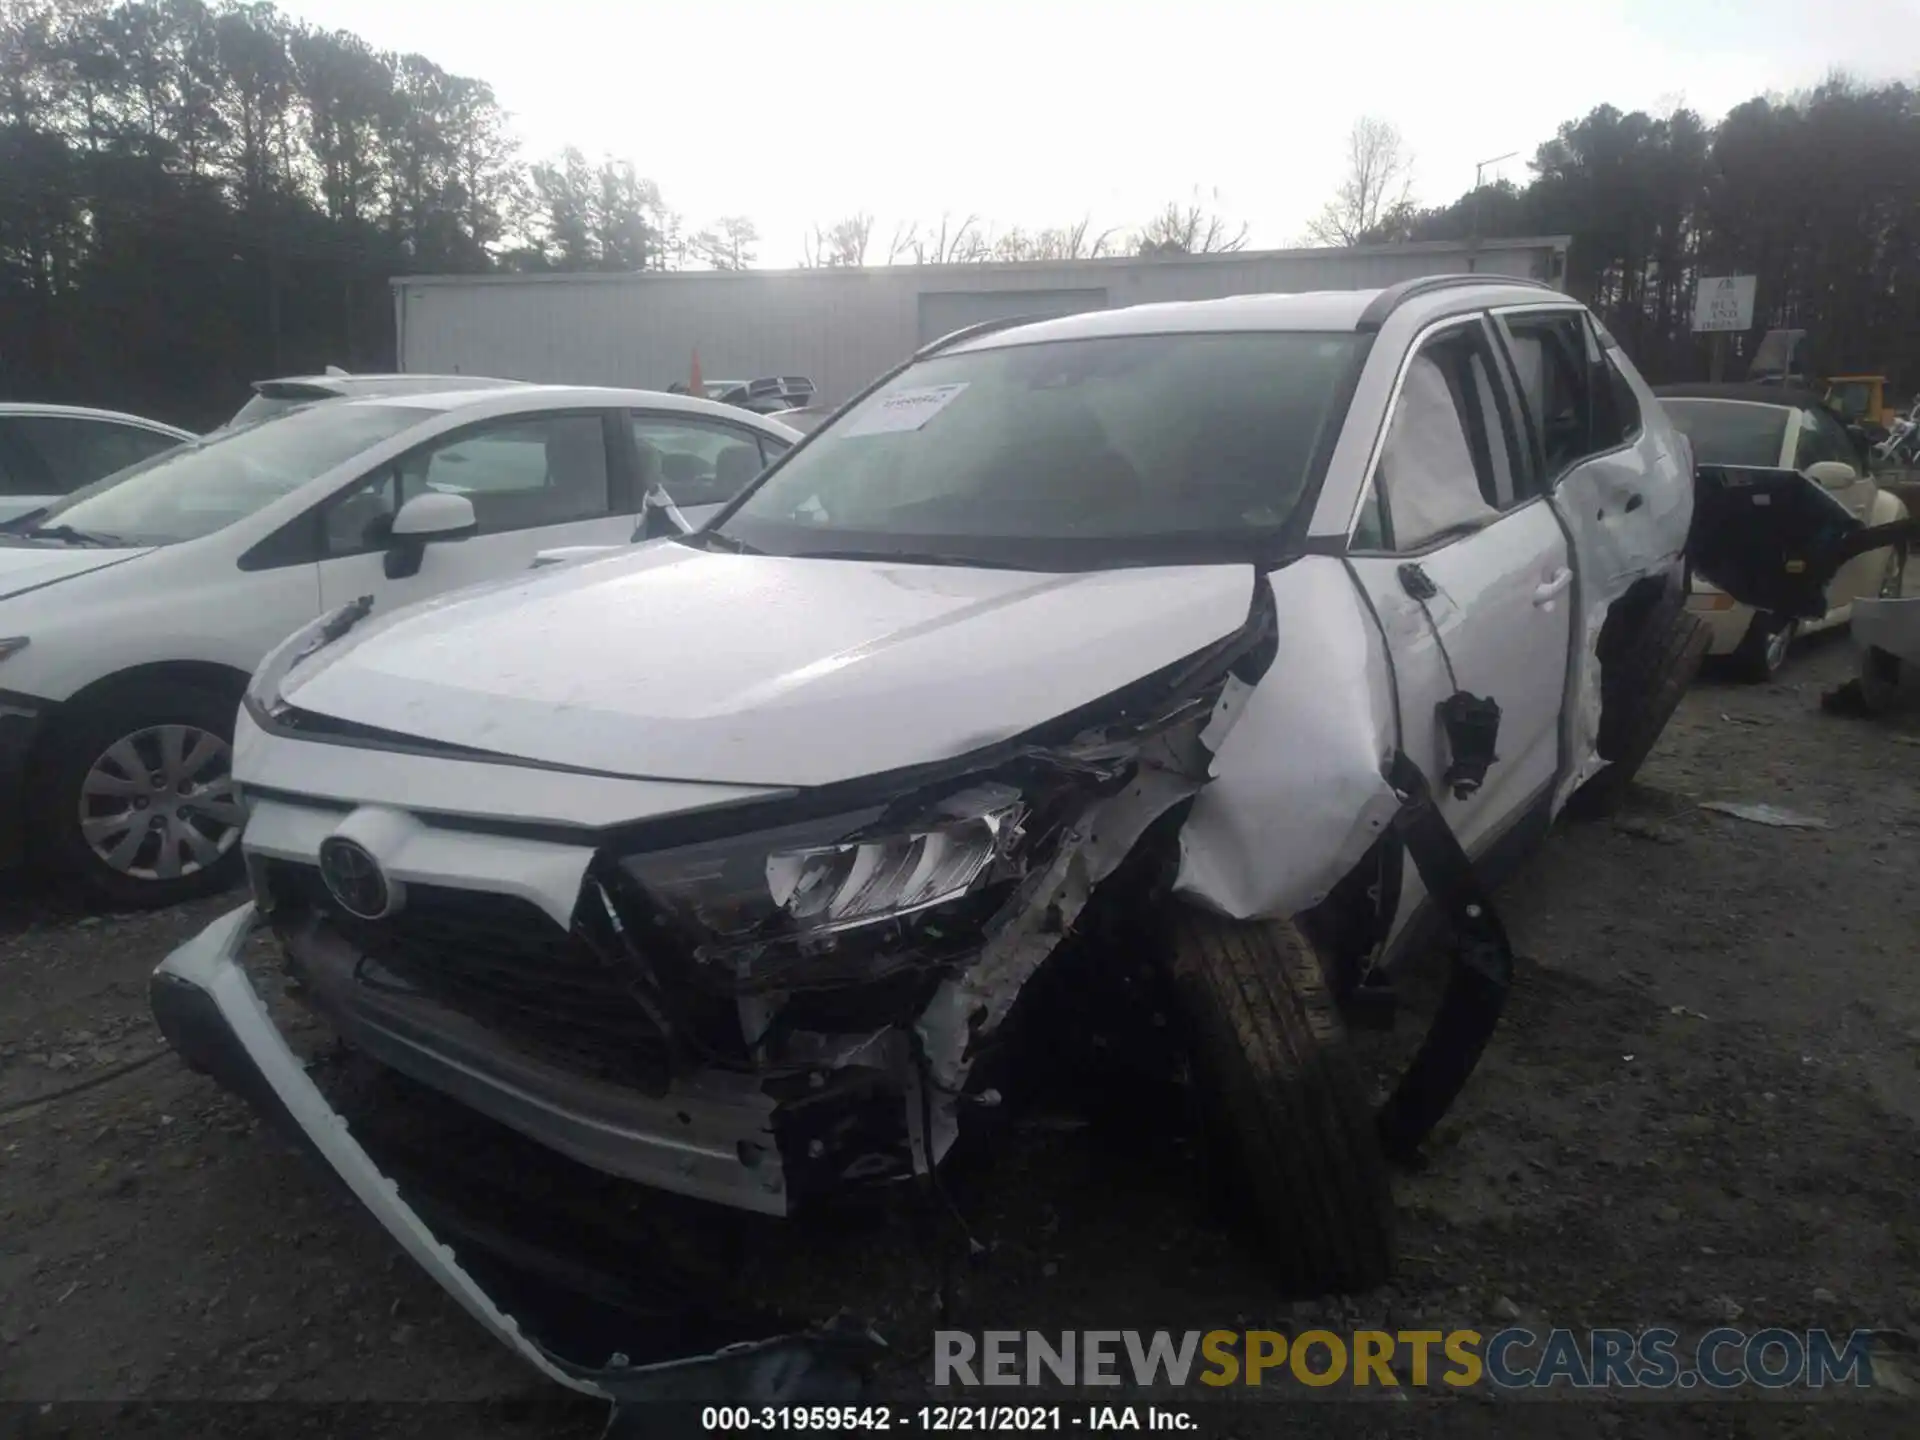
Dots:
{"x": 698, "y": 462}
{"x": 519, "y": 472}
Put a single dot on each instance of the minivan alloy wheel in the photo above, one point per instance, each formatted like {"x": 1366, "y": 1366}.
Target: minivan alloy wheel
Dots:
{"x": 159, "y": 803}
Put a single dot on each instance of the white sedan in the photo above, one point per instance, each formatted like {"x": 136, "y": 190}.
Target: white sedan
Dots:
{"x": 49, "y": 451}
{"x": 133, "y": 611}
{"x": 1768, "y": 427}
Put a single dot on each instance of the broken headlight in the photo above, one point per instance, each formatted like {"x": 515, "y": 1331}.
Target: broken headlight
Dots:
{"x": 816, "y": 896}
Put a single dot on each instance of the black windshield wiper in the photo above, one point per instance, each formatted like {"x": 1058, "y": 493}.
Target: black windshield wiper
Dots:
{"x": 70, "y": 535}
{"x": 703, "y": 538}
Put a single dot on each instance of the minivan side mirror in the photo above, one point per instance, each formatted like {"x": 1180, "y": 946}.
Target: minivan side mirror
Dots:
{"x": 1832, "y": 474}
{"x": 422, "y": 521}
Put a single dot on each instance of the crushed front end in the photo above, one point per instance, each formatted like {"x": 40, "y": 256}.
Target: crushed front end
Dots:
{"x": 748, "y": 1003}
{"x": 761, "y": 1005}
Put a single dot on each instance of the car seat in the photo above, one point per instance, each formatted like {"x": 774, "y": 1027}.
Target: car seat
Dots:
{"x": 735, "y": 466}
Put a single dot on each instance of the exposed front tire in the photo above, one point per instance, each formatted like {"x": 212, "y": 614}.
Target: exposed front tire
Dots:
{"x": 1272, "y": 1062}
{"x": 137, "y": 803}
{"x": 1763, "y": 649}
{"x": 1638, "y": 698}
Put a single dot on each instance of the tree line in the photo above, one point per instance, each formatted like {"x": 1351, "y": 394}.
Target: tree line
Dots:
{"x": 194, "y": 195}
{"x": 1816, "y": 195}
{"x": 198, "y": 193}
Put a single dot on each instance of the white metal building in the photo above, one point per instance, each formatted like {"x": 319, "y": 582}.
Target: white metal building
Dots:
{"x": 843, "y": 327}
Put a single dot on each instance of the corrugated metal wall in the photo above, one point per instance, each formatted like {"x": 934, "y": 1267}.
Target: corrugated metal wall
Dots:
{"x": 843, "y": 327}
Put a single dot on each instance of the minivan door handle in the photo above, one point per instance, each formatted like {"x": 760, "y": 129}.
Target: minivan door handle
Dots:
{"x": 1544, "y": 594}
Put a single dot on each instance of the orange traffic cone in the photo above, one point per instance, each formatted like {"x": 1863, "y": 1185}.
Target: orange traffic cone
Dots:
{"x": 694, "y": 387}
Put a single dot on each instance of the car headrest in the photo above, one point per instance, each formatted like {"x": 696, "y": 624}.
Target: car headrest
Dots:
{"x": 735, "y": 466}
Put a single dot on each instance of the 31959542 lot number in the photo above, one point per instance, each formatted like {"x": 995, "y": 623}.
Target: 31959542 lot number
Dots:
{"x": 928, "y": 1418}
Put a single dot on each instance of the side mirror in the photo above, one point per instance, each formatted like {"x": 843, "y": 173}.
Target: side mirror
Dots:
{"x": 1832, "y": 474}
{"x": 422, "y": 521}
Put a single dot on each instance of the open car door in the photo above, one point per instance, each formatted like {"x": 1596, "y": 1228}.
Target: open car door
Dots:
{"x": 1775, "y": 539}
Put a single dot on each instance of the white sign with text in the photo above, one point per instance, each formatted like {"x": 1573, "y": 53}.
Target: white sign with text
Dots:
{"x": 1723, "y": 302}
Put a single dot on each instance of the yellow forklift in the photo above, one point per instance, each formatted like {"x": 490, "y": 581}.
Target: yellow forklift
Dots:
{"x": 1784, "y": 357}
{"x": 1862, "y": 400}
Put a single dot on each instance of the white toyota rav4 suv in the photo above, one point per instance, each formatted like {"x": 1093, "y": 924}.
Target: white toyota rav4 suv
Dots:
{"x": 1233, "y": 645}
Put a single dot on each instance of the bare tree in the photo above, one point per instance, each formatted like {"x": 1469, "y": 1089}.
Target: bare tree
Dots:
{"x": 728, "y": 243}
{"x": 1377, "y": 192}
{"x": 843, "y": 243}
{"x": 1189, "y": 229}
{"x": 1078, "y": 241}
{"x": 946, "y": 244}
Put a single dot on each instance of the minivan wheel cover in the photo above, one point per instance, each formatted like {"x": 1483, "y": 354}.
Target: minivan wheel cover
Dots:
{"x": 159, "y": 804}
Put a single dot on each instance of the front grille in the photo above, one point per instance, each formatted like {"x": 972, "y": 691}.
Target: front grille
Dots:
{"x": 502, "y": 962}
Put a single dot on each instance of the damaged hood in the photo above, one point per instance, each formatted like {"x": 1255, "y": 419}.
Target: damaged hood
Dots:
{"x": 671, "y": 662}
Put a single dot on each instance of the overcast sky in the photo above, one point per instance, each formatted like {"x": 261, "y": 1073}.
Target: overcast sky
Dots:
{"x": 1040, "y": 112}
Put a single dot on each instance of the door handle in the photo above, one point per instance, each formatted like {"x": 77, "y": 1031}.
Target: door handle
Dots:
{"x": 1543, "y": 594}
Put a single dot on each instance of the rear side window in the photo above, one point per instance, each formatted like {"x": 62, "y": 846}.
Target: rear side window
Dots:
{"x": 1731, "y": 432}
{"x": 1616, "y": 409}
{"x": 68, "y": 451}
{"x": 1549, "y": 357}
{"x": 698, "y": 462}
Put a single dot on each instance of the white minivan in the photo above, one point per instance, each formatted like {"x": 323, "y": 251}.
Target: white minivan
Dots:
{"x": 132, "y": 611}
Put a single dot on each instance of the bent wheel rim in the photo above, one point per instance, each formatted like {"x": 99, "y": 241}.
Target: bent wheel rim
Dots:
{"x": 159, "y": 803}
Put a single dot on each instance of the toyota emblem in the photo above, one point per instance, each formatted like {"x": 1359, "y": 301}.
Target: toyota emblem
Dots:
{"x": 354, "y": 879}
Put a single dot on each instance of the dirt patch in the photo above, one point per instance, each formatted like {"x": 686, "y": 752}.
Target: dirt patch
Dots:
{"x": 1703, "y": 1102}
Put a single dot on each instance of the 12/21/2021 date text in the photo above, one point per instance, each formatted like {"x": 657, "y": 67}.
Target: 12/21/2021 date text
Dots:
{"x": 945, "y": 1419}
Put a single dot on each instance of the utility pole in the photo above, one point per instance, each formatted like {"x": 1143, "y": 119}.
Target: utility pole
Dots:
{"x": 1479, "y": 207}
{"x": 1480, "y": 165}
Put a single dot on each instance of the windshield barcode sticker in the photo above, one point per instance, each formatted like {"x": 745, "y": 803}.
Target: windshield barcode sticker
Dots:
{"x": 904, "y": 410}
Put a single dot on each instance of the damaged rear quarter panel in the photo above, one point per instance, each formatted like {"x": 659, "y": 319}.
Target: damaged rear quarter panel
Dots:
{"x": 1626, "y": 514}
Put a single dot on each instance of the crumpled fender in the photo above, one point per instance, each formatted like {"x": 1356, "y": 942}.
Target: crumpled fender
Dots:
{"x": 1297, "y": 791}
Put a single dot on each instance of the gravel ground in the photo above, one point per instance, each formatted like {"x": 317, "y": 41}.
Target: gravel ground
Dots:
{"x": 1702, "y": 1104}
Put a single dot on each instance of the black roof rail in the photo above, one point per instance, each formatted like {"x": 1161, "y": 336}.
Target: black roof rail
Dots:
{"x": 1394, "y": 296}
{"x": 981, "y": 327}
